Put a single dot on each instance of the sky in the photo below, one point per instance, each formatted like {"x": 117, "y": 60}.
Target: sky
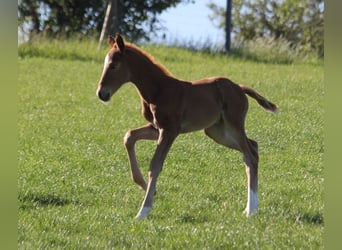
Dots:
{"x": 190, "y": 22}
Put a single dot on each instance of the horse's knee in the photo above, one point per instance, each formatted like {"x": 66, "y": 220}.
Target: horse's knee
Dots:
{"x": 129, "y": 140}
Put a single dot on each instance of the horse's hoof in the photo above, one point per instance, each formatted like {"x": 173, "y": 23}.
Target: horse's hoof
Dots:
{"x": 143, "y": 213}
{"x": 249, "y": 212}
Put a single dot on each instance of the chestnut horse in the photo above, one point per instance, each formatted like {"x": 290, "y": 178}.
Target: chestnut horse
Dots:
{"x": 172, "y": 106}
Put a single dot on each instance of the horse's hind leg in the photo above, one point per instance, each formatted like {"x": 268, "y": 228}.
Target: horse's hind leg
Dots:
{"x": 147, "y": 132}
{"x": 234, "y": 137}
{"x": 223, "y": 134}
{"x": 251, "y": 159}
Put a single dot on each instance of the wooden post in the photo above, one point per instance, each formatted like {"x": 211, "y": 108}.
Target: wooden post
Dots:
{"x": 105, "y": 24}
{"x": 228, "y": 24}
{"x": 110, "y": 23}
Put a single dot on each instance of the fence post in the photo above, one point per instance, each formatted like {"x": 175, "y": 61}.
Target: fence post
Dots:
{"x": 228, "y": 24}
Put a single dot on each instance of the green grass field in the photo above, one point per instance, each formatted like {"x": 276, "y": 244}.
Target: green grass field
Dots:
{"x": 75, "y": 190}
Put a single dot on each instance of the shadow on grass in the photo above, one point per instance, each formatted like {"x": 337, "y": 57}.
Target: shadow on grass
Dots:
{"x": 33, "y": 200}
{"x": 311, "y": 218}
{"x": 187, "y": 218}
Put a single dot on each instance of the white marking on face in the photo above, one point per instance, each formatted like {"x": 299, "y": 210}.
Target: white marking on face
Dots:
{"x": 106, "y": 62}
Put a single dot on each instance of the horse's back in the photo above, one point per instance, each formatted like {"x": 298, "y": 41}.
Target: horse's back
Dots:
{"x": 228, "y": 91}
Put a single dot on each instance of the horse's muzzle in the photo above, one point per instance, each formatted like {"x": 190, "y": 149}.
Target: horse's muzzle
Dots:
{"x": 103, "y": 94}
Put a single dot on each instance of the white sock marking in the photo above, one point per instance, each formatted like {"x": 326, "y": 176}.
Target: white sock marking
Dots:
{"x": 144, "y": 211}
{"x": 252, "y": 202}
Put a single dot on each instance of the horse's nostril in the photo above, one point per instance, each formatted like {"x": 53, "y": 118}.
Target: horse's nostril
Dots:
{"x": 104, "y": 95}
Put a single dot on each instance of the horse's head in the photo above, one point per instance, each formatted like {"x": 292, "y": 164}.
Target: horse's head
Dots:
{"x": 115, "y": 70}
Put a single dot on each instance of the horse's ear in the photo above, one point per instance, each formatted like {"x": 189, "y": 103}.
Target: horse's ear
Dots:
{"x": 120, "y": 42}
{"x": 111, "y": 41}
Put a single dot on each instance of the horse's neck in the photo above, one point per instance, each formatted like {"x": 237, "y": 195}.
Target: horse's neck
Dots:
{"x": 146, "y": 76}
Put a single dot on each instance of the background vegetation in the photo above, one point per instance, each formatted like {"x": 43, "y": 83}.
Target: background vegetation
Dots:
{"x": 74, "y": 185}
{"x": 56, "y": 18}
{"x": 298, "y": 23}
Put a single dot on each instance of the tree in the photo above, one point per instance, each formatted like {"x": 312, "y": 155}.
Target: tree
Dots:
{"x": 300, "y": 22}
{"x": 135, "y": 19}
{"x": 61, "y": 17}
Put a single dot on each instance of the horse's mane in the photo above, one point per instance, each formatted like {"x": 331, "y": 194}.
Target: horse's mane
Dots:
{"x": 150, "y": 58}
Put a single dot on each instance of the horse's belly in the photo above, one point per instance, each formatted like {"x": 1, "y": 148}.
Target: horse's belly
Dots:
{"x": 198, "y": 119}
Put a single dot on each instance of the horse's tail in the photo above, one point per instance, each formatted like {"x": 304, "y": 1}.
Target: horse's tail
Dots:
{"x": 260, "y": 99}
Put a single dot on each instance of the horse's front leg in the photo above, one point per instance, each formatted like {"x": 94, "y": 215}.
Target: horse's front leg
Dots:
{"x": 147, "y": 132}
{"x": 165, "y": 141}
